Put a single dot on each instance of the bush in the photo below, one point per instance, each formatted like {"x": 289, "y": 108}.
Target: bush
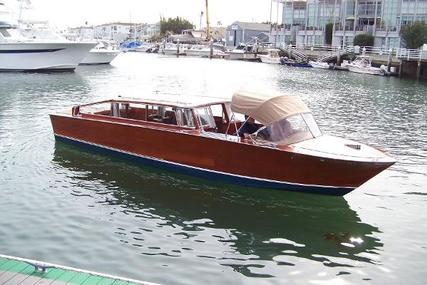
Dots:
{"x": 414, "y": 35}
{"x": 174, "y": 25}
{"x": 364, "y": 40}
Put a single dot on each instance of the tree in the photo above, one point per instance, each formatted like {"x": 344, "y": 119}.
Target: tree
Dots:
{"x": 174, "y": 25}
{"x": 364, "y": 40}
{"x": 328, "y": 33}
{"x": 414, "y": 35}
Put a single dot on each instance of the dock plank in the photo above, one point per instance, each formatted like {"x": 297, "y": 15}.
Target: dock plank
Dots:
{"x": 106, "y": 281}
{"x": 56, "y": 276}
{"x": 3, "y": 260}
{"x": 43, "y": 278}
{"x": 5, "y": 267}
{"x": 79, "y": 278}
{"x": 93, "y": 280}
{"x": 15, "y": 278}
{"x": 120, "y": 282}
{"x": 11, "y": 271}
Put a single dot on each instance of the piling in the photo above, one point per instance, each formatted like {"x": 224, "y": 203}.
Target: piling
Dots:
{"x": 390, "y": 54}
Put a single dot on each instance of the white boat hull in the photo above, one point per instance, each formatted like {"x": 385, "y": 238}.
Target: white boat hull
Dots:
{"x": 321, "y": 65}
{"x": 365, "y": 70}
{"x": 23, "y": 56}
{"x": 100, "y": 56}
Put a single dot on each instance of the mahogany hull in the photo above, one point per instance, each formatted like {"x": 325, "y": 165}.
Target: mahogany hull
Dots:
{"x": 240, "y": 163}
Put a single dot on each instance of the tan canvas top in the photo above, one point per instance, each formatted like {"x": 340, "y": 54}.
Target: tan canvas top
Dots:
{"x": 267, "y": 109}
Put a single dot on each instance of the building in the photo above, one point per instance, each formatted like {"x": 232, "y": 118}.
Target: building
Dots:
{"x": 244, "y": 32}
{"x": 117, "y": 32}
{"x": 305, "y": 21}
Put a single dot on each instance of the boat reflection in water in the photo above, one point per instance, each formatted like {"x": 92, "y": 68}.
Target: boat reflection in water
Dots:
{"x": 255, "y": 226}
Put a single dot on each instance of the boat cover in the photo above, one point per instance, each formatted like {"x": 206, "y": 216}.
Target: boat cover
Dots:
{"x": 267, "y": 109}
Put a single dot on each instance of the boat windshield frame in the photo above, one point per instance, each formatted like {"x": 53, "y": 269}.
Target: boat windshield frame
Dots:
{"x": 289, "y": 130}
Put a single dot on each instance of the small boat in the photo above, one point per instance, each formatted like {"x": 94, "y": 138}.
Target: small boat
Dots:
{"x": 103, "y": 53}
{"x": 173, "y": 49}
{"x": 271, "y": 57}
{"x": 362, "y": 64}
{"x": 282, "y": 149}
{"x": 129, "y": 46}
{"x": 144, "y": 47}
{"x": 344, "y": 64}
{"x": 242, "y": 52}
{"x": 320, "y": 64}
{"x": 291, "y": 62}
{"x": 205, "y": 51}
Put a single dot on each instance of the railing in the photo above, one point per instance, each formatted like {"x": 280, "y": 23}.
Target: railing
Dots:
{"x": 399, "y": 53}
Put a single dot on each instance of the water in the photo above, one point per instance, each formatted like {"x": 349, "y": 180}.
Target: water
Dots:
{"x": 64, "y": 205}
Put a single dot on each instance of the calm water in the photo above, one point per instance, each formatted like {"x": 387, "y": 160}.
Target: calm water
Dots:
{"x": 64, "y": 205}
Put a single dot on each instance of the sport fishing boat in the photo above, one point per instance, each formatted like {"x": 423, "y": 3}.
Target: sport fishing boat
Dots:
{"x": 21, "y": 53}
{"x": 278, "y": 145}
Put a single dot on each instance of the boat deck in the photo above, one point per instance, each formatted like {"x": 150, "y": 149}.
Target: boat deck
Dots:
{"x": 14, "y": 271}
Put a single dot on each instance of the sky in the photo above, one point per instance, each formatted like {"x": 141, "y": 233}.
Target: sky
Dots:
{"x": 73, "y": 13}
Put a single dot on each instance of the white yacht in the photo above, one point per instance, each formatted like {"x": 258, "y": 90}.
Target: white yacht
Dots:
{"x": 271, "y": 57}
{"x": 103, "y": 53}
{"x": 20, "y": 53}
{"x": 319, "y": 64}
{"x": 362, "y": 64}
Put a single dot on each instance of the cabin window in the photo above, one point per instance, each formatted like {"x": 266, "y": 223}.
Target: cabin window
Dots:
{"x": 205, "y": 118}
{"x": 290, "y": 130}
{"x": 218, "y": 111}
{"x": 184, "y": 117}
{"x": 161, "y": 114}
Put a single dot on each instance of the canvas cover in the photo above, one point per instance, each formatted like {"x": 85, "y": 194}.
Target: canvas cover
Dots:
{"x": 267, "y": 109}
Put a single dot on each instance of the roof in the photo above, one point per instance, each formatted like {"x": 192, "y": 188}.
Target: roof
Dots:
{"x": 253, "y": 26}
{"x": 267, "y": 108}
{"x": 172, "y": 101}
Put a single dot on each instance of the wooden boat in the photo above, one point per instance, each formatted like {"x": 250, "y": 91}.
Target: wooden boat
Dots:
{"x": 286, "y": 151}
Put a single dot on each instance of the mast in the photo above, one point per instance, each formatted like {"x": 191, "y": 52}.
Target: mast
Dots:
{"x": 208, "y": 27}
{"x": 271, "y": 17}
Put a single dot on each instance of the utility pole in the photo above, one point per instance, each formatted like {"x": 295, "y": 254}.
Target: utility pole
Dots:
{"x": 277, "y": 25}
{"x": 271, "y": 17}
{"x": 208, "y": 30}
{"x": 333, "y": 25}
{"x": 208, "y": 27}
{"x": 201, "y": 18}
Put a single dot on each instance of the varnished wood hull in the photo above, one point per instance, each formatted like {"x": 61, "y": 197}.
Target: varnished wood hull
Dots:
{"x": 240, "y": 163}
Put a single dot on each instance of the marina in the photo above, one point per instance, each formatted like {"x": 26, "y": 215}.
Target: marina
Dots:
{"x": 287, "y": 151}
{"x": 74, "y": 204}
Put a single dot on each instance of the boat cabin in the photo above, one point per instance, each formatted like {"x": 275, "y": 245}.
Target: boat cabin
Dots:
{"x": 249, "y": 117}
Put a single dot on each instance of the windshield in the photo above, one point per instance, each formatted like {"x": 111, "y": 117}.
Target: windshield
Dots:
{"x": 290, "y": 130}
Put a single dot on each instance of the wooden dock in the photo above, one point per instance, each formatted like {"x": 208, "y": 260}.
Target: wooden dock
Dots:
{"x": 14, "y": 271}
